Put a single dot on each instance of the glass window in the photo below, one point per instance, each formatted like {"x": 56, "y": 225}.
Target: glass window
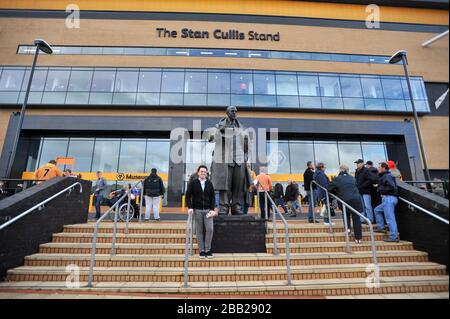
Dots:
{"x": 218, "y": 99}
{"x": 33, "y": 97}
{"x": 54, "y": 98}
{"x": 287, "y": 101}
{"x": 300, "y": 153}
{"x": 132, "y": 155}
{"x": 374, "y": 104}
{"x": 329, "y": 85}
{"x": 308, "y": 85}
{"x": 349, "y": 152}
{"x": 80, "y": 80}
{"x": 375, "y": 152}
{"x": 372, "y": 87}
{"x": 38, "y": 82}
{"x": 57, "y": 80}
{"x": 124, "y": 98}
{"x": 264, "y": 83}
{"x": 265, "y": 100}
{"x": 392, "y": 88}
{"x": 310, "y": 102}
{"x": 77, "y": 98}
{"x": 286, "y": 84}
{"x": 194, "y": 99}
{"x": 158, "y": 152}
{"x": 195, "y": 82}
{"x": 100, "y": 98}
{"x": 418, "y": 89}
{"x": 51, "y": 148}
{"x": 147, "y": 99}
{"x": 332, "y": 103}
{"x": 327, "y": 152}
{"x": 8, "y": 97}
{"x": 82, "y": 150}
{"x": 149, "y": 81}
{"x": 11, "y": 80}
{"x": 195, "y": 155}
{"x": 106, "y": 155}
{"x": 395, "y": 105}
{"x": 351, "y": 86}
{"x": 103, "y": 81}
{"x": 353, "y": 103}
{"x": 171, "y": 99}
{"x": 241, "y": 100}
{"x": 172, "y": 82}
{"x": 218, "y": 82}
{"x": 241, "y": 83}
{"x": 126, "y": 81}
{"x": 278, "y": 157}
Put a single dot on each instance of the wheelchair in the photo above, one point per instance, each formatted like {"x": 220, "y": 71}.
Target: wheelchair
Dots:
{"x": 122, "y": 214}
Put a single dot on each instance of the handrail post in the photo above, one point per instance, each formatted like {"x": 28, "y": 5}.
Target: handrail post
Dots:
{"x": 330, "y": 221}
{"x": 113, "y": 243}
{"x": 191, "y": 235}
{"x": 92, "y": 259}
{"x": 141, "y": 200}
{"x": 266, "y": 213}
{"x": 186, "y": 253}
{"x": 128, "y": 212}
{"x": 347, "y": 242}
{"x": 288, "y": 255}
{"x": 374, "y": 255}
{"x": 274, "y": 231}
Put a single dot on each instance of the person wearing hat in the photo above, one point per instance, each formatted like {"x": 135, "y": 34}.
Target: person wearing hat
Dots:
{"x": 153, "y": 192}
{"x": 365, "y": 178}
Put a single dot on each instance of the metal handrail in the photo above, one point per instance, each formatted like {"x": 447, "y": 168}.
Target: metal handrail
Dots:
{"x": 274, "y": 221}
{"x": 113, "y": 243}
{"x": 424, "y": 210}
{"x": 330, "y": 220}
{"x": 188, "y": 247}
{"x": 39, "y": 205}
{"x": 346, "y": 206}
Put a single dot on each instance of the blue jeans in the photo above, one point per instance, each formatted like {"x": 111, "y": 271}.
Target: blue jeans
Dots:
{"x": 311, "y": 204}
{"x": 387, "y": 207}
{"x": 98, "y": 199}
{"x": 368, "y": 210}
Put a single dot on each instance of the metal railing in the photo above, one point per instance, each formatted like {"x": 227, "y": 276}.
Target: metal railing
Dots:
{"x": 113, "y": 242}
{"x": 40, "y": 205}
{"x": 411, "y": 204}
{"x": 346, "y": 206}
{"x": 189, "y": 247}
{"x": 276, "y": 211}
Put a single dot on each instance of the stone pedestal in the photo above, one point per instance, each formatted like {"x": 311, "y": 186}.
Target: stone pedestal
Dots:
{"x": 239, "y": 234}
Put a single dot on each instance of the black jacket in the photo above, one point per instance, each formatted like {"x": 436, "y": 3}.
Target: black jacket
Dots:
{"x": 197, "y": 198}
{"x": 365, "y": 178}
{"x": 387, "y": 184}
{"x": 308, "y": 177}
{"x": 278, "y": 191}
{"x": 292, "y": 192}
{"x": 153, "y": 186}
{"x": 344, "y": 186}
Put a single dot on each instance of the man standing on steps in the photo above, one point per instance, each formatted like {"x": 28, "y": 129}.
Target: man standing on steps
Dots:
{"x": 308, "y": 177}
{"x": 154, "y": 190}
{"x": 365, "y": 178}
{"x": 99, "y": 193}
{"x": 200, "y": 200}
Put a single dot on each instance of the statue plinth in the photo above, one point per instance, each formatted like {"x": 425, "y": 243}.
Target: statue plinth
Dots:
{"x": 239, "y": 234}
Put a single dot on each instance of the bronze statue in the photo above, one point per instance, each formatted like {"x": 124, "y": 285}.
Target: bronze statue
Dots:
{"x": 229, "y": 173}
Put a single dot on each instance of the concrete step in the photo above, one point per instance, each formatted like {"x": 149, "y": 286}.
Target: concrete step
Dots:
{"x": 166, "y": 228}
{"x": 224, "y": 260}
{"x": 181, "y": 238}
{"x": 316, "y": 287}
{"x": 154, "y": 274}
{"x": 179, "y": 249}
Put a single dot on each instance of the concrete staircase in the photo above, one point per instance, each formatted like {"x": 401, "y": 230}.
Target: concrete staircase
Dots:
{"x": 151, "y": 259}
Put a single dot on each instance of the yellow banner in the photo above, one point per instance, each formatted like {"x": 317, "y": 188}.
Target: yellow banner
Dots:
{"x": 110, "y": 176}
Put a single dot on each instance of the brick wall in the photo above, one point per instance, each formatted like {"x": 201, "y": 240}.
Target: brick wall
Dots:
{"x": 23, "y": 237}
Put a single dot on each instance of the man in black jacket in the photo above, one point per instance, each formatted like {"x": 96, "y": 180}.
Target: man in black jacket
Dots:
{"x": 153, "y": 192}
{"x": 200, "y": 200}
{"x": 308, "y": 177}
{"x": 365, "y": 178}
{"x": 344, "y": 186}
{"x": 387, "y": 187}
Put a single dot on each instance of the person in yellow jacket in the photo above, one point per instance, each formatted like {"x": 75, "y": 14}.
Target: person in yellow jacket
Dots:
{"x": 48, "y": 171}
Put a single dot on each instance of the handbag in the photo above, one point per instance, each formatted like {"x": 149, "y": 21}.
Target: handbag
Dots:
{"x": 324, "y": 211}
